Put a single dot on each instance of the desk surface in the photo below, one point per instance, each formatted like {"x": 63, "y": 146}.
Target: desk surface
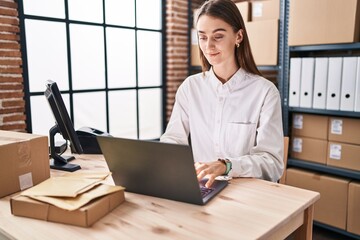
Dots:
{"x": 246, "y": 209}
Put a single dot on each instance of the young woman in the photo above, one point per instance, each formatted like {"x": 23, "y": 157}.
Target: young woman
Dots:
{"x": 231, "y": 113}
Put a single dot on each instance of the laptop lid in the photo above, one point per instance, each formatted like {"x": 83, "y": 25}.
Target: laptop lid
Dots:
{"x": 155, "y": 168}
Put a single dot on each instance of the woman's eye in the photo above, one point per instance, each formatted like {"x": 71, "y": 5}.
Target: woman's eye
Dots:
{"x": 202, "y": 38}
{"x": 218, "y": 37}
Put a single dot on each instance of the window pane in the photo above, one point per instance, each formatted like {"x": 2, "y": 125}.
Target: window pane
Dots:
{"x": 120, "y": 12}
{"x": 149, "y": 58}
{"x": 86, "y": 10}
{"x": 46, "y": 8}
{"x": 90, "y": 110}
{"x": 42, "y": 117}
{"x": 87, "y": 56}
{"x": 148, "y": 14}
{"x": 121, "y": 57}
{"x": 150, "y": 114}
{"x": 122, "y": 113}
{"x": 46, "y": 54}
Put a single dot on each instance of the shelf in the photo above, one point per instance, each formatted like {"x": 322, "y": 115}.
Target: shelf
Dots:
{"x": 325, "y": 112}
{"x": 335, "y": 229}
{"x": 326, "y": 47}
{"x": 324, "y": 168}
{"x": 268, "y": 68}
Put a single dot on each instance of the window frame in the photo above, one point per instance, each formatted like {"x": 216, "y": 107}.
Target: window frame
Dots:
{"x": 71, "y": 91}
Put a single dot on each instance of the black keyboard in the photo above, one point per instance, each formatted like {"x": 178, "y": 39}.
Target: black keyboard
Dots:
{"x": 205, "y": 191}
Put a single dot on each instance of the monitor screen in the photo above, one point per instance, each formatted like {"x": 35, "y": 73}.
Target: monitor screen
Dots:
{"x": 63, "y": 125}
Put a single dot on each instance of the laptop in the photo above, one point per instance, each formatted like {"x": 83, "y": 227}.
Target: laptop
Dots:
{"x": 157, "y": 169}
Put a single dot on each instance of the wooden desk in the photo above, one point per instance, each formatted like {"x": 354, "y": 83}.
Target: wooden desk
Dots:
{"x": 246, "y": 209}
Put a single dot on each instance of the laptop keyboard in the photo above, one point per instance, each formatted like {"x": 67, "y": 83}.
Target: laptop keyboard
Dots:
{"x": 205, "y": 191}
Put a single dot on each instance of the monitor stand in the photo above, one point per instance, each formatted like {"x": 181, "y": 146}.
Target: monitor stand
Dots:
{"x": 60, "y": 162}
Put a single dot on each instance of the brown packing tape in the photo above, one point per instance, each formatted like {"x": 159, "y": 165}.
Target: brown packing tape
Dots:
{"x": 24, "y": 154}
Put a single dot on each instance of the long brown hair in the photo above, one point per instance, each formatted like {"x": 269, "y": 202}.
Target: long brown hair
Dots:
{"x": 228, "y": 12}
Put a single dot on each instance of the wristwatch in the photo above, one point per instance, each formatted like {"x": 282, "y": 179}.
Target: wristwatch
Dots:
{"x": 228, "y": 165}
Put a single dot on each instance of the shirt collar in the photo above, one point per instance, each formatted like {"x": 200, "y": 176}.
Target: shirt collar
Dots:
{"x": 231, "y": 85}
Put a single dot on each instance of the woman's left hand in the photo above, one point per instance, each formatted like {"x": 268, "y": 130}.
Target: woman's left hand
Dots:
{"x": 210, "y": 170}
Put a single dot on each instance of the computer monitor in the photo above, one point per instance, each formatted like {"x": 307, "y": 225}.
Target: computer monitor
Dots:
{"x": 64, "y": 126}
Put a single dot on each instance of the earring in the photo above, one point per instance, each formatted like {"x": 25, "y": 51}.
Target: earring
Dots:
{"x": 238, "y": 45}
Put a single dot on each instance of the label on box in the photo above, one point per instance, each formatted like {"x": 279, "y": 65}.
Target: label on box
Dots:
{"x": 336, "y": 126}
{"x": 25, "y": 181}
{"x": 297, "y": 145}
{"x": 298, "y": 121}
{"x": 257, "y": 9}
{"x": 335, "y": 151}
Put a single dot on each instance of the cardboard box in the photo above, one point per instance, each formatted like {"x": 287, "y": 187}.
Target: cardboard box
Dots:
{"x": 263, "y": 37}
{"x": 244, "y": 8}
{"x": 346, "y": 130}
{"x": 309, "y": 149}
{"x": 24, "y": 161}
{"x": 83, "y": 217}
{"x": 265, "y": 10}
{"x": 323, "y": 22}
{"x": 308, "y": 125}
{"x": 343, "y": 155}
{"x": 353, "y": 213}
{"x": 331, "y": 209}
{"x": 195, "y": 51}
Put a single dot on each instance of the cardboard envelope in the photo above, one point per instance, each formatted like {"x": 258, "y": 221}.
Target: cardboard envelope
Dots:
{"x": 73, "y": 203}
{"x": 69, "y": 185}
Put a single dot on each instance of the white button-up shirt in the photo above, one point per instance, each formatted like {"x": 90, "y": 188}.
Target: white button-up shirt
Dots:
{"x": 239, "y": 120}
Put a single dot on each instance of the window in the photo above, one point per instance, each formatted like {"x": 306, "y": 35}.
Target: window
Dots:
{"x": 106, "y": 57}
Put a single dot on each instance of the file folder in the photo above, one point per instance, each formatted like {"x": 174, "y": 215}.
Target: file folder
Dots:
{"x": 294, "y": 83}
{"x": 334, "y": 83}
{"x": 348, "y": 81}
{"x": 307, "y": 82}
{"x": 357, "y": 87}
{"x": 320, "y": 82}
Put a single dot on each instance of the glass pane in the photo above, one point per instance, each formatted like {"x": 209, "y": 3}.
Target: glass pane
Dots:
{"x": 150, "y": 113}
{"x": 42, "y": 117}
{"x": 122, "y": 113}
{"x": 46, "y": 8}
{"x": 87, "y": 56}
{"x": 90, "y": 110}
{"x": 46, "y": 54}
{"x": 148, "y": 14}
{"x": 121, "y": 57}
{"x": 149, "y": 58}
{"x": 120, "y": 12}
{"x": 86, "y": 10}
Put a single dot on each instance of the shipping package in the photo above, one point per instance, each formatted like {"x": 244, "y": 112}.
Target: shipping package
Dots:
{"x": 309, "y": 149}
{"x": 263, "y": 37}
{"x": 353, "y": 218}
{"x": 331, "y": 209}
{"x": 323, "y": 22}
{"x": 343, "y": 155}
{"x": 346, "y": 130}
{"x": 24, "y": 161}
{"x": 77, "y": 200}
{"x": 309, "y": 125}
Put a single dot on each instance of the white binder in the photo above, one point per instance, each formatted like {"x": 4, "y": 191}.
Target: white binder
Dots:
{"x": 320, "y": 82}
{"x": 307, "y": 82}
{"x": 348, "y": 81}
{"x": 294, "y": 82}
{"x": 357, "y": 87}
{"x": 334, "y": 83}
